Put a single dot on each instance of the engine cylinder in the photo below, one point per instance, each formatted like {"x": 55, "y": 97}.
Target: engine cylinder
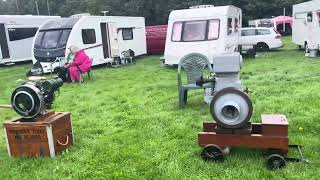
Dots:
{"x": 52, "y": 84}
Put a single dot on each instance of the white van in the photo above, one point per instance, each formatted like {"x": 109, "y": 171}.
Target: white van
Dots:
{"x": 306, "y": 26}
{"x": 103, "y": 38}
{"x": 16, "y": 36}
{"x": 207, "y": 29}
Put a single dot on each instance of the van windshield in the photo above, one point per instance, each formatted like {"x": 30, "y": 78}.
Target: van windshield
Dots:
{"x": 52, "y": 39}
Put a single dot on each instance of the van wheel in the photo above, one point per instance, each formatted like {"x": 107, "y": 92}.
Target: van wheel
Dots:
{"x": 306, "y": 48}
{"x": 261, "y": 46}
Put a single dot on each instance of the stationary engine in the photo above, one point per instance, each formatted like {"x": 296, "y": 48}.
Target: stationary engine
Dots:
{"x": 230, "y": 106}
{"x": 231, "y": 109}
{"x": 33, "y": 98}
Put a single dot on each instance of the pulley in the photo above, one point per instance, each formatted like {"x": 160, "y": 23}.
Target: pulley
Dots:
{"x": 231, "y": 108}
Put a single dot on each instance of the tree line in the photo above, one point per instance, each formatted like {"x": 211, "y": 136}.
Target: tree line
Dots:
{"x": 155, "y": 11}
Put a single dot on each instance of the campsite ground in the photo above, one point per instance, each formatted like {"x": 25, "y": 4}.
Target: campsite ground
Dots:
{"x": 127, "y": 123}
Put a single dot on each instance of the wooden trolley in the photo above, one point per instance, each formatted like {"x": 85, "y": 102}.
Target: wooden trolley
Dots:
{"x": 271, "y": 134}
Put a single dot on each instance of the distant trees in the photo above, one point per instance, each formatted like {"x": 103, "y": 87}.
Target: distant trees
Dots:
{"x": 155, "y": 11}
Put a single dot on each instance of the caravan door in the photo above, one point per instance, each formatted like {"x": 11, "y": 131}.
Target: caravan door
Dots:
{"x": 312, "y": 34}
{"x": 109, "y": 40}
{"x": 105, "y": 40}
{"x": 113, "y": 39}
{"x": 4, "y": 48}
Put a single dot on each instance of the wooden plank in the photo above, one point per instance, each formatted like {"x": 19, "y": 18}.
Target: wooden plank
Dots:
{"x": 209, "y": 126}
{"x": 274, "y": 119}
{"x": 62, "y": 133}
{"x": 212, "y": 127}
{"x": 26, "y": 140}
{"x": 56, "y": 117}
{"x": 7, "y": 142}
{"x": 251, "y": 141}
{"x": 37, "y": 121}
{"x": 245, "y": 130}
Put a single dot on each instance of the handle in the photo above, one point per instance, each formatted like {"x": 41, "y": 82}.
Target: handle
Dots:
{"x": 5, "y": 106}
{"x": 64, "y": 144}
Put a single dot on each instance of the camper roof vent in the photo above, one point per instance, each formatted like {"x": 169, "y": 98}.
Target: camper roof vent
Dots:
{"x": 80, "y": 15}
{"x": 201, "y": 6}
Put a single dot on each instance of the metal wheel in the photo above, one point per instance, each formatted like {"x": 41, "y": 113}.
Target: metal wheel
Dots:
{"x": 275, "y": 161}
{"x": 212, "y": 153}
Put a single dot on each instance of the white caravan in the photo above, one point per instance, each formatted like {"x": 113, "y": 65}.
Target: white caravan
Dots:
{"x": 16, "y": 36}
{"x": 306, "y": 26}
{"x": 202, "y": 29}
{"x": 103, "y": 38}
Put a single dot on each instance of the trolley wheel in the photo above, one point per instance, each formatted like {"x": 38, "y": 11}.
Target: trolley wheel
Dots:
{"x": 275, "y": 161}
{"x": 212, "y": 153}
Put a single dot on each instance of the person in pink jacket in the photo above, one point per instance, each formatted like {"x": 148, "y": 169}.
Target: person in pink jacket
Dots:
{"x": 81, "y": 62}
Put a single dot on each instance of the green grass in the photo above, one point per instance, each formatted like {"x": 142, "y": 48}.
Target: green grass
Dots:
{"x": 127, "y": 124}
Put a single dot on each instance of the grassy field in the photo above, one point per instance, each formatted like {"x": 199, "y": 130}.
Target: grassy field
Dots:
{"x": 127, "y": 123}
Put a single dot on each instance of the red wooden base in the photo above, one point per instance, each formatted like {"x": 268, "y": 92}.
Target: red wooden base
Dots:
{"x": 272, "y": 133}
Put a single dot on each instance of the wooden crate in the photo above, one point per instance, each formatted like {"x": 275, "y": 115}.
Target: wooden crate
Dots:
{"x": 274, "y": 125}
{"x": 46, "y": 136}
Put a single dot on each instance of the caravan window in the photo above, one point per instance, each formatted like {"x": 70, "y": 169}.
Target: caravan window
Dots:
{"x": 176, "y": 31}
{"x": 127, "y": 34}
{"x": 229, "y": 26}
{"x": 300, "y": 15}
{"x": 88, "y": 36}
{"x": 16, "y": 34}
{"x": 190, "y": 31}
{"x": 309, "y": 17}
{"x": 214, "y": 28}
{"x": 236, "y": 25}
{"x": 194, "y": 31}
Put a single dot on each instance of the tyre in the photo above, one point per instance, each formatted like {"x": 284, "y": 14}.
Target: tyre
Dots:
{"x": 212, "y": 153}
{"x": 275, "y": 162}
{"x": 261, "y": 46}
